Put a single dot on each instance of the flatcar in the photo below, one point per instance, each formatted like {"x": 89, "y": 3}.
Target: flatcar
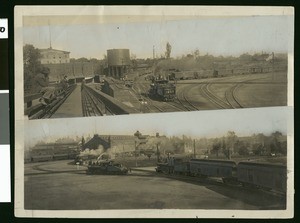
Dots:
{"x": 162, "y": 90}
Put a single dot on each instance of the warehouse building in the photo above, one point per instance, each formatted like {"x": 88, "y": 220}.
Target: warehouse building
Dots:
{"x": 53, "y": 56}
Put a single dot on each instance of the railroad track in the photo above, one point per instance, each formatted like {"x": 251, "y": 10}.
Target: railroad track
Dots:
{"x": 47, "y": 111}
{"x": 219, "y": 182}
{"x": 231, "y": 97}
{"x": 161, "y": 106}
{"x": 92, "y": 105}
{"x": 146, "y": 99}
{"x": 184, "y": 102}
{"x": 212, "y": 97}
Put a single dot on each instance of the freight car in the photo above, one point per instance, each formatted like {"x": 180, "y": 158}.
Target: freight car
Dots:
{"x": 257, "y": 175}
{"x": 62, "y": 156}
{"x": 213, "y": 168}
{"x": 41, "y": 158}
{"x": 266, "y": 176}
{"x": 162, "y": 90}
{"x": 106, "y": 167}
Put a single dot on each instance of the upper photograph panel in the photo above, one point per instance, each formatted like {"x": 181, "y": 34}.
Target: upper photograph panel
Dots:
{"x": 110, "y": 63}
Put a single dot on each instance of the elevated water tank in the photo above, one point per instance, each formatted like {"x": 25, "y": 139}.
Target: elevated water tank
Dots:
{"x": 118, "y": 57}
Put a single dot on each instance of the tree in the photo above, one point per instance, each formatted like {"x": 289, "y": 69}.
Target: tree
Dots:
{"x": 168, "y": 50}
{"x": 137, "y": 134}
{"x": 31, "y": 62}
{"x": 258, "y": 149}
{"x": 276, "y": 146}
{"x": 216, "y": 147}
{"x": 196, "y": 53}
{"x": 230, "y": 141}
{"x": 241, "y": 148}
{"x": 82, "y": 141}
{"x": 82, "y": 60}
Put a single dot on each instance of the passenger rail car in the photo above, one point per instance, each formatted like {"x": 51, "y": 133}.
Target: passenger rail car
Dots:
{"x": 51, "y": 156}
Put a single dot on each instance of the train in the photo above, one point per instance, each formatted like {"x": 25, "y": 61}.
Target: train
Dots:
{"x": 50, "y": 157}
{"x": 248, "y": 174}
{"x": 106, "y": 167}
{"x": 162, "y": 90}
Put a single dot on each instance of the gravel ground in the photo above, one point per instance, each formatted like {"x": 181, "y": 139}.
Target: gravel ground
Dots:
{"x": 61, "y": 186}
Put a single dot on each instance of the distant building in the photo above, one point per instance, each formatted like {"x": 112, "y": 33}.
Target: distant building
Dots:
{"x": 119, "y": 143}
{"x": 53, "y": 56}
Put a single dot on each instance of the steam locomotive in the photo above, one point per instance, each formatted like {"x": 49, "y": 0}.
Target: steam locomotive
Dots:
{"x": 162, "y": 90}
{"x": 107, "y": 167}
{"x": 248, "y": 174}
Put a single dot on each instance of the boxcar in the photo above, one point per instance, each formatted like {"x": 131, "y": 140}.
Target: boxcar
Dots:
{"x": 213, "y": 168}
{"x": 267, "y": 176}
{"x": 181, "y": 168}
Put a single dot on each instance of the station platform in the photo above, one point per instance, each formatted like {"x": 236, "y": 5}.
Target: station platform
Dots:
{"x": 72, "y": 107}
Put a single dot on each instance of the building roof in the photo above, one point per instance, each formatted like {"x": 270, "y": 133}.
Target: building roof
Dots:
{"x": 50, "y": 49}
{"x": 95, "y": 142}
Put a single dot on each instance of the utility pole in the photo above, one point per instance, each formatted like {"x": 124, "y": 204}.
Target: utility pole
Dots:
{"x": 49, "y": 35}
{"x": 194, "y": 148}
{"x": 135, "y": 155}
{"x": 153, "y": 52}
{"x": 157, "y": 152}
{"x": 273, "y": 66}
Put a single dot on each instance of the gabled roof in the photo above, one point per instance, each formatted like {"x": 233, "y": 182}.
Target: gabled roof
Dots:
{"x": 95, "y": 142}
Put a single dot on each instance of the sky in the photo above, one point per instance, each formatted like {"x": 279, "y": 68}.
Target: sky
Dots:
{"x": 199, "y": 124}
{"x": 214, "y": 35}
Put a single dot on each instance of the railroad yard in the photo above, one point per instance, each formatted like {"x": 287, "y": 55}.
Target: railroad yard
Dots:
{"x": 209, "y": 160}
{"x": 239, "y": 91}
{"x": 61, "y": 185}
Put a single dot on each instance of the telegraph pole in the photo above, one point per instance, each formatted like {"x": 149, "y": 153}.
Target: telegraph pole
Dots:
{"x": 153, "y": 52}
{"x": 157, "y": 152}
{"x": 135, "y": 153}
{"x": 273, "y": 66}
{"x": 194, "y": 148}
{"x": 49, "y": 35}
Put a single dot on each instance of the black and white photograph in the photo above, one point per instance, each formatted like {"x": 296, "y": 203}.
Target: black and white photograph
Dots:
{"x": 96, "y": 65}
{"x": 154, "y": 112}
{"x": 104, "y": 164}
